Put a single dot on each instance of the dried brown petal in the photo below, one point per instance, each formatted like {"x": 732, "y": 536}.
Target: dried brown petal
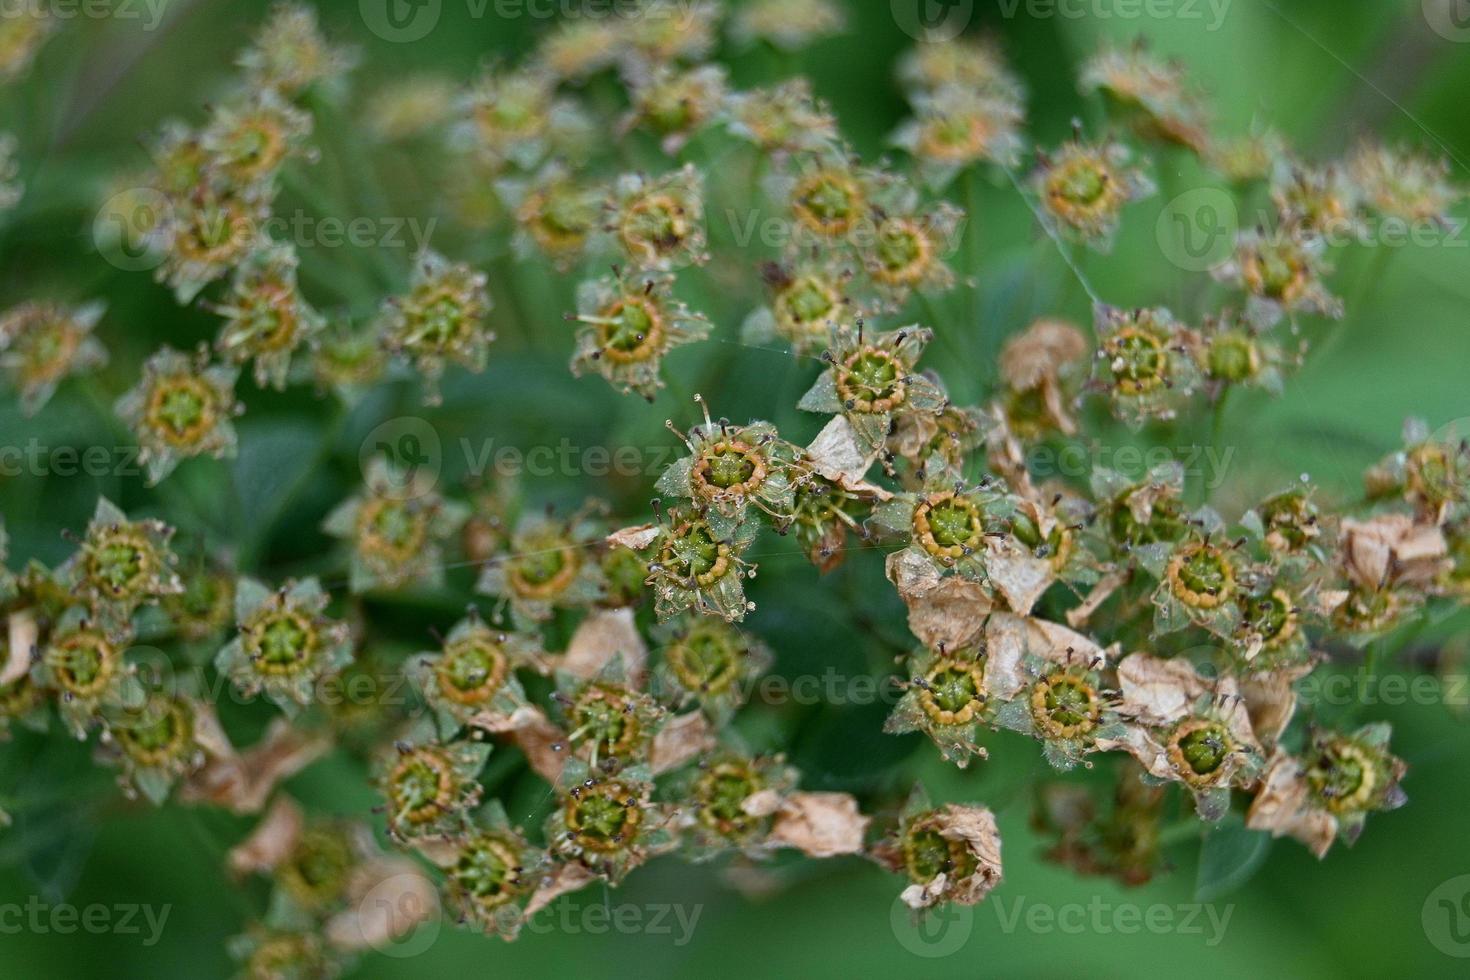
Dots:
{"x": 390, "y": 897}
{"x": 271, "y": 841}
{"x": 943, "y": 612}
{"x": 1008, "y": 640}
{"x": 637, "y": 538}
{"x": 1392, "y": 549}
{"x": 683, "y": 738}
{"x": 23, "y": 635}
{"x": 566, "y": 878}
{"x": 601, "y": 636}
{"x": 1281, "y": 807}
{"x": 820, "y": 825}
{"x": 243, "y": 781}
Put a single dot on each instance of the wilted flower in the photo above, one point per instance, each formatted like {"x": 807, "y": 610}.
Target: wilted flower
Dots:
{"x": 949, "y": 853}
{"x": 348, "y": 362}
{"x": 42, "y": 343}
{"x": 206, "y": 606}
{"x": 610, "y": 825}
{"x": 676, "y": 104}
{"x": 946, "y": 700}
{"x": 473, "y": 675}
{"x": 121, "y": 565}
{"x": 1282, "y": 272}
{"x": 248, "y": 142}
{"x": 1146, "y": 359}
{"x": 1200, "y": 584}
{"x": 805, "y": 298}
{"x": 630, "y": 322}
{"x": 266, "y": 317}
{"x": 974, "y": 64}
{"x": 575, "y": 49}
{"x": 1289, "y": 523}
{"x": 84, "y": 665}
{"x": 872, "y": 379}
{"x": 556, "y": 213}
{"x": 286, "y": 644}
{"x": 1085, "y": 186}
{"x": 549, "y": 566}
{"x": 207, "y": 232}
{"x": 1151, "y": 93}
{"x": 666, "y": 31}
{"x": 1316, "y": 200}
{"x": 1233, "y": 350}
{"x": 155, "y": 742}
{"x": 431, "y": 788}
{"x": 1247, "y": 158}
{"x": 947, "y": 523}
{"x": 731, "y": 801}
{"x": 1042, "y": 367}
{"x": 787, "y": 24}
{"x": 1141, "y": 519}
{"x": 440, "y": 321}
{"x": 1065, "y": 707}
{"x": 508, "y": 113}
{"x": 1431, "y": 474}
{"x": 181, "y": 408}
{"x": 731, "y": 468}
{"x": 290, "y": 54}
{"x": 784, "y": 119}
{"x": 608, "y": 723}
{"x": 956, "y": 127}
{"x": 708, "y": 661}
{"x": 909, "y": 246}
{"x": 1187, "y": 728}
{"x": 658, "y": 222}
{"x": 1403, "y": 184}
{"x": 396, "y": 529}
{"x": 1331, "y": 789}
{"x": 695, "y": 568}
{"x": 490, "y": 873}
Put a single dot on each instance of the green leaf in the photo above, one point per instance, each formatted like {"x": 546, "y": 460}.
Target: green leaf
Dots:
{"x": 1228, "y": 858}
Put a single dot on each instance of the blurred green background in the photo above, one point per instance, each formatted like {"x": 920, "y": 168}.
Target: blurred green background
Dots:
{"x": 1323, "y": 72}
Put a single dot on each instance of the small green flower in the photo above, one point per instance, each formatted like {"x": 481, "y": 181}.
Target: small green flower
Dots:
{"x": 289, "y": 53}
{"x": 1145, "y": 363}
{"x": 182, "y": 407}
{"x": 431, "y": 788}
{"x": 43, "y": 343}
{"x": 610, "y": 825}
{"x": 657, "y": 223}
{"x": 286, "y": 645}
{"x": 695, "y": 568}
{"x": 1084, "y": 187}
{"x": 473, "y": 675}
{"x": 788, "y": 24}
{"x": 871, "y": 380}
{"x": 946, "y": 699}
{"x": 556, "y": 213}
{"x": 396, "y": 529}
{"x": 949, "y": 853}
{"x": 676, "y": 104}
{"x": 349, "y": 363}
{"x": 731, "y": 469}
{"x": 1065, "y": 707}
{"x": 783, "y": 119}
{"x": 804, "y": 298}
{"x": 121, "y": 565}
{"x": 156, "y": 743}
{"x": 250, "y": 140}
{"x": 708, "y": 661}
{"x": 440, "y": 321}
{"x": 550, "y": 565}
{"x": 85, "y": 667}
{"x": 608, "y": 722}
{"x": 266, "y": 318}
{"x": 725, "y": 802}
{"x": 491, "y": 873}
{"x": 629, "y": 323}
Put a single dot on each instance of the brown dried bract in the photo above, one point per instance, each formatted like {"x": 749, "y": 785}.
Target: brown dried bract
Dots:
{"x": 1392, "y": 549}
{"x": 820, "y": 825}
